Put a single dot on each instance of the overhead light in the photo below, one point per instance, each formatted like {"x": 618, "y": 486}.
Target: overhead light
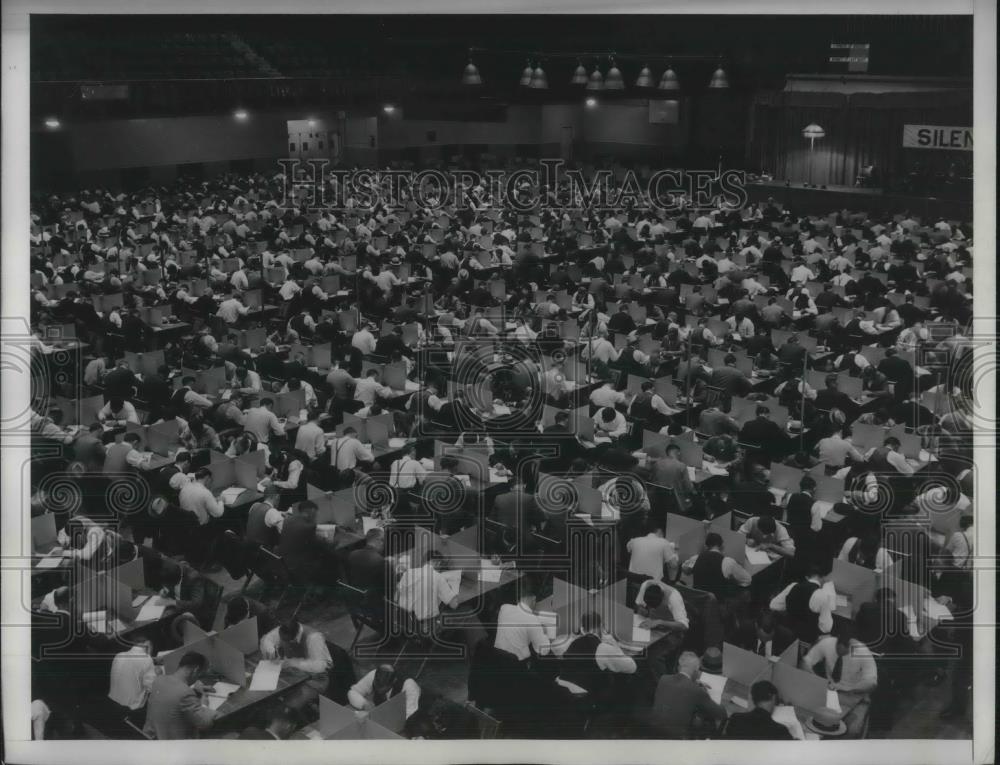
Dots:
{"x": 388, "y": 108}
{"x": 240, "y": 114}
{"x": 645, "y": 78}
{"x": 52, "y": 123}
{"x": 579, "y": 75}
{"x": 591, "y": 102}
{"x": 719, "y": 79}
{"x": 527, "y": 75}
{"x": 614, "y": 80}
{"x": 669, "y": 80}
{"x": 538, "y": 79}
{"x": 470, "y": 76}
{"x": 596, "y": 81}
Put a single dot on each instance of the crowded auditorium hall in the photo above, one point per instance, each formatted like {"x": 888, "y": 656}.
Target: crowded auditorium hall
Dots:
{"x": 469, "y": 433}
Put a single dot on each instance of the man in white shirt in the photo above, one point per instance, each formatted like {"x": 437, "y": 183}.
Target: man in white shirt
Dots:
{"x": 289, "y": 290}
{"x": 368, "y": 388}
{"x": 407, "y": 472}
{"x": 132, "y": 675}
{"x": 231, "y": 309}
{"x": 606, "y": 395}
{"x": 850, "y": 671}
{"x": 311, "y": 440}
{"x": 610, "y": 423}
{"x": 364, "y": 340}
{"x": 650, "y": 553}
{"x": 423, "y": 590}
{"x": 520, "y": 630}
{"x": 380, "y": 685}
{"x": 600, "y": 349}
{"x": 262, "y": 423}
{"x": 196, "y": 497}
{"x": 347, "y": 451}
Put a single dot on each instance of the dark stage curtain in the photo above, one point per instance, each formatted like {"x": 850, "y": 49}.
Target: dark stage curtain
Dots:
{"x": 861, "y": 129}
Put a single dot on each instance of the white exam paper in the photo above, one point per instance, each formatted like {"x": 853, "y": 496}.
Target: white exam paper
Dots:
{"x": 265, "y": 677}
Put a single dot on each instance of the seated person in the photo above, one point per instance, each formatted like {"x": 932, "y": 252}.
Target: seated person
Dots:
{"x": 590, "y": 654}
{"x": 380, "y": 685}
{"x": 757, "y": 725}
{"x": 300, "y": 647}
{"x": 682, "y": 708}
{"x": 850, "y": 669}
{"x": 765, "y": 533}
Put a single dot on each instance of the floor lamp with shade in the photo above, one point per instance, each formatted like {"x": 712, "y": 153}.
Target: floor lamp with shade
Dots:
{"x": 812, "y": 131}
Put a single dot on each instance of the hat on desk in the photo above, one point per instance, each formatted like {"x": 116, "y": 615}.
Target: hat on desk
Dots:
{"x": 827, "y": 722}
{"x": 711, "y": 661}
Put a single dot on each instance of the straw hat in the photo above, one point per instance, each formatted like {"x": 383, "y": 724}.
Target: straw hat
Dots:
{"x": 827, "y": 722}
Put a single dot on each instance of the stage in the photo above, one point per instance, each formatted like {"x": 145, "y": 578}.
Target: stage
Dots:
{"x": 801, "y": 199}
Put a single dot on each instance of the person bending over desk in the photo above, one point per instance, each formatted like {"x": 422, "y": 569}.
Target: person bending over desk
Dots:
{"x": 765, "y": 533}
{"x": 380, "y": 685}
{"x": 682, "y": 708}
{"x": 303, "y": 648}
{"x": 175, "y": 709}
{"x": 850, "y": 670}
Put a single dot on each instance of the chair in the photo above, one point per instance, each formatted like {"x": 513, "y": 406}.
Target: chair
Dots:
{"x": 139, "y": 730}
{"x": 272, "y": 570}
{"x": 488, "y": 727}
{"x": 361, "y": 613}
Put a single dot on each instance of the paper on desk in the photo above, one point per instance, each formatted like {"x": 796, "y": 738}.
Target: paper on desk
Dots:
{"x": 490, "y": 572}
{"x": 842, "y": 600}
{"x": 740, "y": 701}
{"x": 230, "y": 495}
{"x": 314, "y": 734}
{"x": 50, "y": 561}
{"x": 138, "y": 600}
{"x": 786, "y": 716}
{"x": 117, "y": 626}
{"x": 549, "y": 622}
{"x": 152, "y": 609}
{"x": 265, "y": 677}
{"x": 640, "y": 634}
{"x": 453, "y": 578}
{"x": 757, "y": 557}
{"x": 833, "y": 700}
{"x": 96, "y": 620}
{"x": 221, "y": 692}
{"x": 213, "y": 701}
{"x": 368, "y": 523}
{"x": 715, "y": 684}
{"x": 396, "y": 443}
{"x": 936, "y": 611}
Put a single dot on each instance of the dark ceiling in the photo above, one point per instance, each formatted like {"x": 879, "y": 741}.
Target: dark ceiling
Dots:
{"x": 757, "y": 50}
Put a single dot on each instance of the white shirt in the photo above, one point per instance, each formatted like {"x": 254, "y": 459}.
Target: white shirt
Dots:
{"x": 406, "y": 472}
{"x": 882, "y": 559}
{"x": 606, "y": 396}
{"x": 310, "y": 440}
{"x": 197, "y": 498}
{"x": 289, "y": 289}
{"x": 231, "y": 310}
{"x": 613, "y": 429}
{"x": 363, "y": 691}
{"x": 364, "y": 341}
{"x": 649, "y": 553}
{"x": 673, "y": 600}
{"x": 519, "y": 630}
{"x": 367, "y": 388}
{"x": 347, "y": 451}
{"x": 422, "y": 591}
{"x": 132, "y": 675}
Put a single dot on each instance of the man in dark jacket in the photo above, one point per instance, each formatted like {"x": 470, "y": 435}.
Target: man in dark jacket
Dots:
{"x": 757, "y": 725}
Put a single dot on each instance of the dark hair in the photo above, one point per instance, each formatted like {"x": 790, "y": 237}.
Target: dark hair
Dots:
{"x": 713, "y": 540}
{"x": 608, "y": 413}
{"x": 201, "y": 473}
{"x": 237, "y": 610}
{"x": 653, "y": 596}
{"x": 289, "y": 630}
{"x": 266, "y": 401}
{"x": 767, "y": 524}
{"x": 195, "y": 660}
{"x": 763, "y": 690}
{"x": 808, "y": 483}
{"x": 590, "y": 621}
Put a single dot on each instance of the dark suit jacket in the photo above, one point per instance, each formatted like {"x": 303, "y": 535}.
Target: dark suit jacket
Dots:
{"x": 174, "y": 710}
{"x": 517, "y": 509}
{"x": 369, "y": 571}
{"x": 767, "y": 435}
{"x": 756, "y": 725}
{"x": 677, "y": 699}
{"x": 300, "y": 548}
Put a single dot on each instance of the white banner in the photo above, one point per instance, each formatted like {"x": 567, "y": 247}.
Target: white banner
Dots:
{"x": 937, "y": 137}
